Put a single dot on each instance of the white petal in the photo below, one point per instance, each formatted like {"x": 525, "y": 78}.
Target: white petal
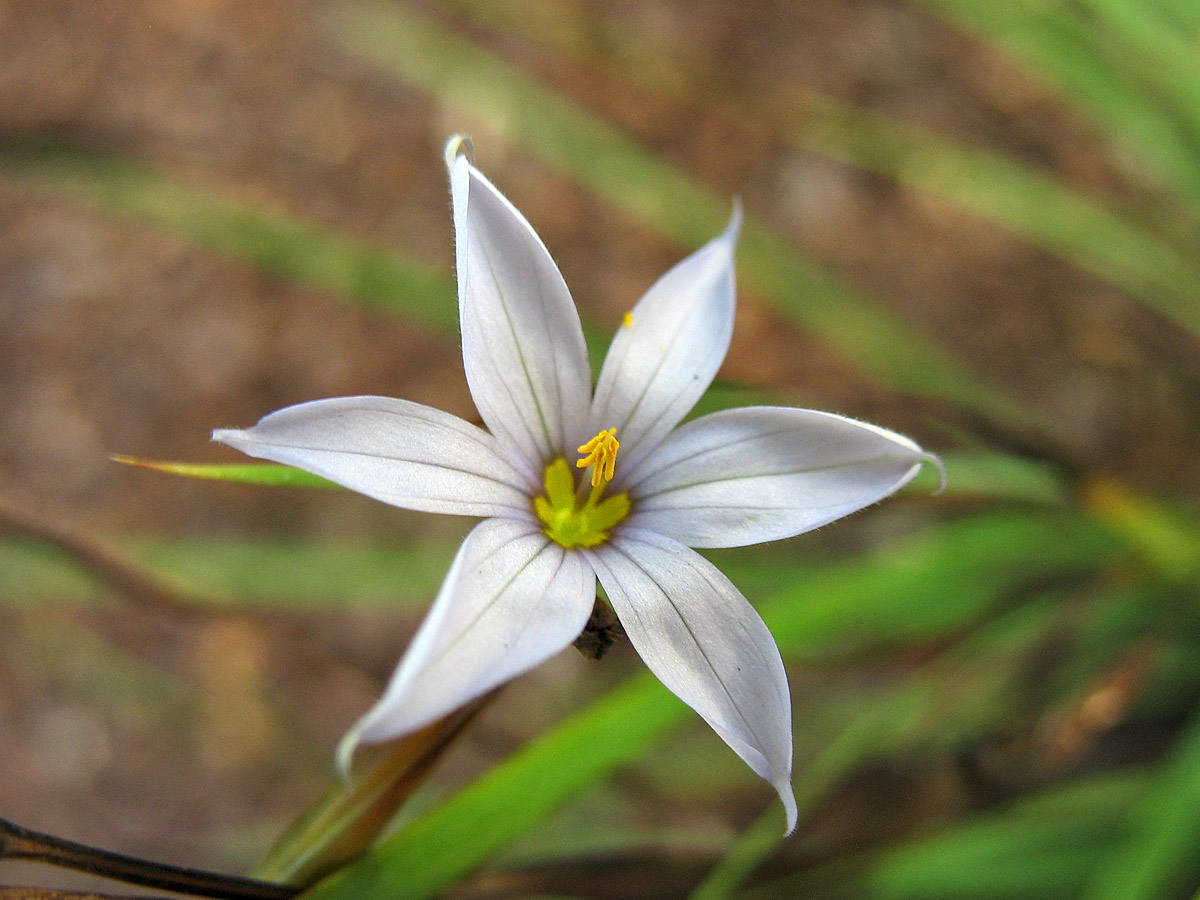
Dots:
{"x": 706, "y": 643}
{"x": 743, "y": 476}
{"x": 511, "y": 600}
{"x": 523, "y": 349}
{"x": 402, "y": 453}
{"x": 666, "y": 357}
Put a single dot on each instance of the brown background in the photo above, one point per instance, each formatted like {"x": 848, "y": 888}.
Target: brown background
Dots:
{"x": 116, "y": 337}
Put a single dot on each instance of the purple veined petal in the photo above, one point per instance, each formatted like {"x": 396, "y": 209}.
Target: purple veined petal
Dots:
{"x": 706, "y": 643}
{"x": 511, "y": 600}
{"x": 759, "y": 473}
{"x": 668, "y": 352}
{"x": 402, "y": 453}
{"x": 523, "y": 348}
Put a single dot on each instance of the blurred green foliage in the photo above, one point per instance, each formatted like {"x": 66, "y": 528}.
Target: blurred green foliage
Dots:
{"x": 1043, "y": 605}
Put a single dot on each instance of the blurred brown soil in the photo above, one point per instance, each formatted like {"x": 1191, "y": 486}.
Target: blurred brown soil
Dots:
{"x": 117, "y": 338}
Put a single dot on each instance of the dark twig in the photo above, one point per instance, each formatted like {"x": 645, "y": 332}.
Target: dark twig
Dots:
{"x": 21, "y": 843}
{"x": 32, "y": 893}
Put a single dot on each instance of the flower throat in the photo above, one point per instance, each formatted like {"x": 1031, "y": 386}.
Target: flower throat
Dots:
{"x": 566, "y": 520}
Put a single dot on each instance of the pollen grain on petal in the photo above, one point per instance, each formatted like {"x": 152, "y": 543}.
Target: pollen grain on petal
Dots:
{"x": 601, "y": 453}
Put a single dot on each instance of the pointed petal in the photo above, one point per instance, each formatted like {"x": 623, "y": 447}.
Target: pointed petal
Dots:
{"x": 706, "y": 643}
{"x": 511, "y": 600}
{"x": 669, "y": 351}
{"x": 743, "y": 476}
{"x": 523, "y": 349}
{"x": 402, "y": 453}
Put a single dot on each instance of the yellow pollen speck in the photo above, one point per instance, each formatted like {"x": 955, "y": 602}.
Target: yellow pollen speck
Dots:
{"x": 601, "y": 452}
{"x": 627, "y": 322}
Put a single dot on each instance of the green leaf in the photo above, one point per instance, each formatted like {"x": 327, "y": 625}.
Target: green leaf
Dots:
{"x": 269, "y": 474}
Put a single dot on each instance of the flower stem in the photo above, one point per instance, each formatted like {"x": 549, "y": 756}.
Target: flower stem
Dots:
{"x": 348, "y": 820}
{"x": 22, "y": 843}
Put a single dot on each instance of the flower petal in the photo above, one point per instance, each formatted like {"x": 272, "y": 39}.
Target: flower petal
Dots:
{"x": 706, "y": 643}
{"x": 669, "y": 350}
{"x": 743, "y": 476}
{"x": 399, "y": 452}
{"x": 523, "y": 349}
{"x": 511, "y": 600}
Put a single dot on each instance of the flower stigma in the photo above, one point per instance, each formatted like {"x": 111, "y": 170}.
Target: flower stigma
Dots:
{"x": 566, "y": 520}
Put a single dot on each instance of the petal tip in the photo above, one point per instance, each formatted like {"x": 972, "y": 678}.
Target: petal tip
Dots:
{"x": 936, "y": 461}
{"x": 344, "y": 756}
{"x": 459, "y": 145}
{"x": 784, "y": 787}
{"x": 736, "y": 218}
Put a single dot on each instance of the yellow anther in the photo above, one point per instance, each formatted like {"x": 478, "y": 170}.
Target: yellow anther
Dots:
{"x": 628, "y": 320}
{"x": 601, "y": 452}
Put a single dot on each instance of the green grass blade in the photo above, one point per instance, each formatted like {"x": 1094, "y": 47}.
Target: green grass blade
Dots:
{"x": 1029, "y": 203}
{"x": 1045, "y": 847}
{"x": 265, "y": 474}
{"x": 275, "y": 243}
{"x": 748, "y": 851}
{"x": 484, "y": 90}
{"x": 934, "y": 584}
{"x": 1161, "y": 858}
{"x": 995, "y": 476}
{"x": 1148, "y": 53}
{"x": 33, "y": 573}
{"x": 243, "y": 574}
{"x": 1166, "y": 536}
{"x": 1053, "y": 41}
{"x": 265, "y": 574}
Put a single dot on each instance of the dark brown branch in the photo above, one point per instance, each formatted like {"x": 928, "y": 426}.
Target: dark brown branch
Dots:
{"x": 21, "y": 843}
{"x": 32, "y": 893}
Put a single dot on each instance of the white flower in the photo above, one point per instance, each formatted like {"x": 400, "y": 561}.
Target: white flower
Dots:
{"x": 523, "y": 583}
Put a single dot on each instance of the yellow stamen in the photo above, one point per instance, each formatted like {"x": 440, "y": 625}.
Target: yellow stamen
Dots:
{"x": 601, "y": 452}
{"x": 628, "y": 320}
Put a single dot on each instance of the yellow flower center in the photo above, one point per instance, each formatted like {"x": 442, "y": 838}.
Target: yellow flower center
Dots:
{"x": 566, "y": 520}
